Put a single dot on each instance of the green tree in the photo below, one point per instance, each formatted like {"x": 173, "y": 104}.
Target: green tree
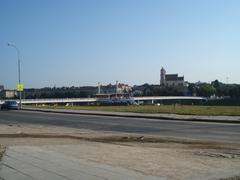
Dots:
{"x": 206, "y": 90}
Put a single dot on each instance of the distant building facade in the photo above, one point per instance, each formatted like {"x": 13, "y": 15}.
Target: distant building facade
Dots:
{"x": 119, "y": 90}
{"x": 1, "y": 87}
{"x": 114, "y": 88}
{"x": 170, "y": 79}
{"x": 8, "y": 94}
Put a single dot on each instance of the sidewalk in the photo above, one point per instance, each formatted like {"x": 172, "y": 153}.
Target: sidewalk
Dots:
{"x": 36, "y": 163}
{"x": 217, "y": 119}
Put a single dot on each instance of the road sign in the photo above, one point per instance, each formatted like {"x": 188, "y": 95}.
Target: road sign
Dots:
{"x": 20, "y": 87}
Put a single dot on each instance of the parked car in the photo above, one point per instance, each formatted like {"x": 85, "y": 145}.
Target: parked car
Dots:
{"x": 10, "y": 105}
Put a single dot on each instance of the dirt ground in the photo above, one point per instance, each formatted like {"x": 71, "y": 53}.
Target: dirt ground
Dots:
{"x": 160, "y": 156}
{"x": 2, "y": 149}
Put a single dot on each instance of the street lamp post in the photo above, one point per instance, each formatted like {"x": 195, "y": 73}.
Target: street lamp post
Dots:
{"x": 19, "y": 71}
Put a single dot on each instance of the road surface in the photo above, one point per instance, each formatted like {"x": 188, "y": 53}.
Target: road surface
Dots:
{"x": 196, "y": 130}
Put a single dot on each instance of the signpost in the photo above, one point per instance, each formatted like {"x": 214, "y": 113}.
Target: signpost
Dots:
{"x": 20, "y": 87}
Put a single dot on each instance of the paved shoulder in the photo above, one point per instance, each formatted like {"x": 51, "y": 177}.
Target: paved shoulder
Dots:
{"x": 34, "y": 163}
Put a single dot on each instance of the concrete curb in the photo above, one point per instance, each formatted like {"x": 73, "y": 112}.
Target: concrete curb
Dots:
{"x": 114, "y": 138}
{"x": 214, "y": 119}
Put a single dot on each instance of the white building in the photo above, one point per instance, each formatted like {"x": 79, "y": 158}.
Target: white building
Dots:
{"x": 8, "y": 94}
{"x": 111, "y": 89}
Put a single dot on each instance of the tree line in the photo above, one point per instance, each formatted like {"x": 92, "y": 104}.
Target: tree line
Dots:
{"x": 214, "y": 88}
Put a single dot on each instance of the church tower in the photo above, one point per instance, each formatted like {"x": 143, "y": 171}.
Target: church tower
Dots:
{"x": 162, "y": 77}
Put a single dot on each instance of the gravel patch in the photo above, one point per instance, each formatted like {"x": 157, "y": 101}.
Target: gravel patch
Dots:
{"x": 2, "y": 150}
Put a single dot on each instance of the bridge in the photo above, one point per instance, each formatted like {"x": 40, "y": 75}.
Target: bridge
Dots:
{"x": 144, "y": 98}
{"x": 152, "y": 99}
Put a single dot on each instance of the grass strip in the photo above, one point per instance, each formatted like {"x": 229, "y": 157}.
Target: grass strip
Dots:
{"x": 169, "y": 109}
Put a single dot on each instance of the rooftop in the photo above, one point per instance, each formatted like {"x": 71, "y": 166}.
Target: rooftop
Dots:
{"x": 174, "y": 77}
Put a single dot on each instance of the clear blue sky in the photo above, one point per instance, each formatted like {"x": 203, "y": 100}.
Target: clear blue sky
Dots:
{"x": 82, "y": 42}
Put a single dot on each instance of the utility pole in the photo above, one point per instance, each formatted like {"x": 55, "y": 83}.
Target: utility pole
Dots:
{"x": 116, "y": 88}
{"x": 227, "y": 78}
{"x": 99, "y": 88}
{"x": 19, "y": 71}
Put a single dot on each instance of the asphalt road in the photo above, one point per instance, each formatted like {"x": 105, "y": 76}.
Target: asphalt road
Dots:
{"x": 171, "y": 128}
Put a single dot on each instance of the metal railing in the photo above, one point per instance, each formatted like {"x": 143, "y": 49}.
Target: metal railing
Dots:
{"x": 80, "y": 100}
